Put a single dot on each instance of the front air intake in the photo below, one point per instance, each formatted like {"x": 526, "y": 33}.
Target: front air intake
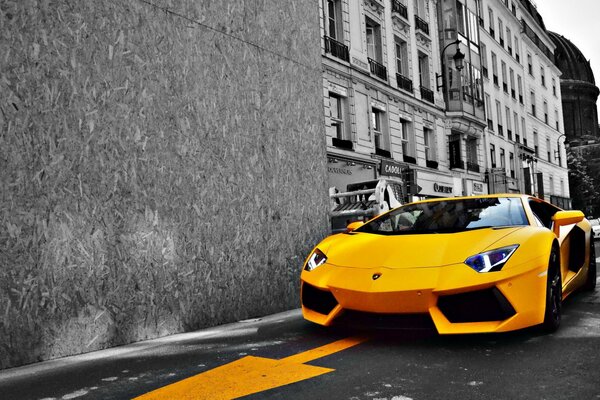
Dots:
{"x": 479, "y": 306}
{"x": 321, "y": 301}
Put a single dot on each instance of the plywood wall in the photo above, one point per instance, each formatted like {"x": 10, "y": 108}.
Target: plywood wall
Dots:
{"x": 162, "y": 167}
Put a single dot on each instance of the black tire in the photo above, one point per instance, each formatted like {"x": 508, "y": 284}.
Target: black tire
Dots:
{"x": 590, "y": 282}
{"x": 552, "y": 314}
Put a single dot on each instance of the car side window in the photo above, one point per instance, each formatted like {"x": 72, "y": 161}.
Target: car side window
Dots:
{"x": 543, "y": 212}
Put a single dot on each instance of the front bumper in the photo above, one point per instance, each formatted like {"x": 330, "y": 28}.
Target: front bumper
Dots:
{"x": 455, "y": 298}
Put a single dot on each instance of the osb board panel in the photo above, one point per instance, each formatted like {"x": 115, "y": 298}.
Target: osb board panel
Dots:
{"x": 161, "y": 170}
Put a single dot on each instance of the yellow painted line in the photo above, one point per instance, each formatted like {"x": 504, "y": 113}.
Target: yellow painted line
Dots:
{"x": 326, "y": 350}
{"x": 250, "y": 375}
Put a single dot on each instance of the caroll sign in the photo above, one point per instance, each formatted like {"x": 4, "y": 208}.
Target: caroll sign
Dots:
{"x": 389, "y": 168}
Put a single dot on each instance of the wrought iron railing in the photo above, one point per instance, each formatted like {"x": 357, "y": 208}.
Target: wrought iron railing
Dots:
{"x": 399, "y": 8}
{"x": 404, "y": 83}
{"x": 377, "y": 69}
{"x": 336, "y": 49}
{"x": 427, "y": 94}
{"x": 421, "y": 25}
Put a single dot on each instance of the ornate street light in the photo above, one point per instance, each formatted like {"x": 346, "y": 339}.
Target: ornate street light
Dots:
{"x": 458, "y": 58}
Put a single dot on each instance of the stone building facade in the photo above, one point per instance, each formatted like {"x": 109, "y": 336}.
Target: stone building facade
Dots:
{"x": 462, "y": 95}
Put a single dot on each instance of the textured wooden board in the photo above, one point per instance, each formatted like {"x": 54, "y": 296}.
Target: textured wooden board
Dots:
{"x": 161, "y": 170}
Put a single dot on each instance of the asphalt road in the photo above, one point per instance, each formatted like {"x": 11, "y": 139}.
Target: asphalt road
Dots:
{"x": 283, "y": 357}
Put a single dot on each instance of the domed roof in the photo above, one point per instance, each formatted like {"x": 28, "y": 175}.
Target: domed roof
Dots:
{"x": 571, "y": 62}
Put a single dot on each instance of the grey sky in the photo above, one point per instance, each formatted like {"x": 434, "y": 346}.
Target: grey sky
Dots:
{"x": 578, "y": 21}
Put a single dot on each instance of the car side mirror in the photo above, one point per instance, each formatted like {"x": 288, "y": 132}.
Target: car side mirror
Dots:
{"x": 354, "y": 225}
{"x": 562, "y": 218}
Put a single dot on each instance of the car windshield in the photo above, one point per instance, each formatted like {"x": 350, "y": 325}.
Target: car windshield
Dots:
{"x": 448, "y": 216}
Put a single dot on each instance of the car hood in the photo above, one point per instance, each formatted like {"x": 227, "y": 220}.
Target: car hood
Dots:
{"x": 367, "y": 250}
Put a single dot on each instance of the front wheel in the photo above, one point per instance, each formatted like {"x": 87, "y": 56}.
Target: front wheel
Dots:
{"x": 552, "y": 315}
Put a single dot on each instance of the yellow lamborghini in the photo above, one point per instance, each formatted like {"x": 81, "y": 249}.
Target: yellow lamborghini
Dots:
{"x": 489, "y": 263}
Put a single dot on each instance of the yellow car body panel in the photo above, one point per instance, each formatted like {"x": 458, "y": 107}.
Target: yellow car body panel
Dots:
{"x": 409, "y": 274}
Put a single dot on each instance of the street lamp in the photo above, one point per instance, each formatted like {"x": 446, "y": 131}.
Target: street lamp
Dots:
{"x": 458, "y": 63}
{"x": 557, "y": 151}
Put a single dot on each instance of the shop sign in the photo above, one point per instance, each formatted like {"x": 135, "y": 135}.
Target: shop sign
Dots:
{"x": 434, "y": 184}
{"x": 341, "y": 173}
{"x": 389, "y": 168}
{"x": 439, "y": 188}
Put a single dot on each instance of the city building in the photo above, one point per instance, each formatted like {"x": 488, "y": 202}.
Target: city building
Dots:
{"x": 385, "y": 114}
{"x": 525, "y": 131}
{"x": 457, "y": 97}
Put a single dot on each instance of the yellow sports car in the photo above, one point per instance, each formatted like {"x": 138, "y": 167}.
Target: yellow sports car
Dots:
{"x": 489, "y": 263}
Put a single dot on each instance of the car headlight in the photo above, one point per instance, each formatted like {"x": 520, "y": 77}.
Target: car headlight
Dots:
{"x": 492, "y": 260}
{"x": 316, "y": 259}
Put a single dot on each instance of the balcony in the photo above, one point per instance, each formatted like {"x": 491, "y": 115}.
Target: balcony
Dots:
{"x": 431, "y": 164}
{"x": 336, "y": 49}
{"x": 383, "y": 152}
{"x": 457, "y": 164}
{"x": 342, "y": 144}
{"x": 473, "y": 167}
{"x": 378, "y": 69}
{"x": 400, "y": 9}
{"x": 409, "y": 159}
{"x": 427, "y": 94}
{"x": 422, "y": 26}
{"x": 404, "y": 83}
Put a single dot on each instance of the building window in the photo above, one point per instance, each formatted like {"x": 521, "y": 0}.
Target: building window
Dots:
{"x": 493, "y": 155}
{"x": 551, "y": 184}
{"x": 472, "y": 163}
{"x": 461, "y": 19}
{"x": 455, "y": 153}
{"x": 499, "y": 115}
{"x": 511, "y": 164}
{"x": 516, "y": 126}
{"x": 429, "y": 143}
{"x": 513, "y": 91}
{"x": 473, "y": 28}
{"x": 524, "y": 130}
{"x": 491, "y": 22}
{"x": 556, "y": 120}
{"x": 337, "y": 114}
{"x": 517, "y": 52}
{"x": 488, "y": 112}
{"x": 377, "y": 125}
{"x": 334, "y": 19}
{"x": 495, "y": 68}
{"x": 543, "y": 76}
{"x": 374, "y": 51}
{"x": 401, "y": 57}
{"x": 484, "y": 61}
{"x": 548, "y": 150}
{"x": 502, "y": 159}
{"x": 532, "y": 96}
{"x": 554, "y": 86}
{"x": 545, "y": 111}
{"x": 508, "y": 124}
{"x": 520, "y": 87}
{"x": 536, "y": 145}
{"x": 529, "y": 64}
{"x": 407, "y": 138}
{"x": 508, "y": 40}
{"x": 500, "y": 32}
{"x": 504, "y": 77}
{"x": 424, "y": 78}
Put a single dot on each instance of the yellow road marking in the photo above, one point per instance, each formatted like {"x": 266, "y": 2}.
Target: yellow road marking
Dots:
{"x": 250, "y": 375}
